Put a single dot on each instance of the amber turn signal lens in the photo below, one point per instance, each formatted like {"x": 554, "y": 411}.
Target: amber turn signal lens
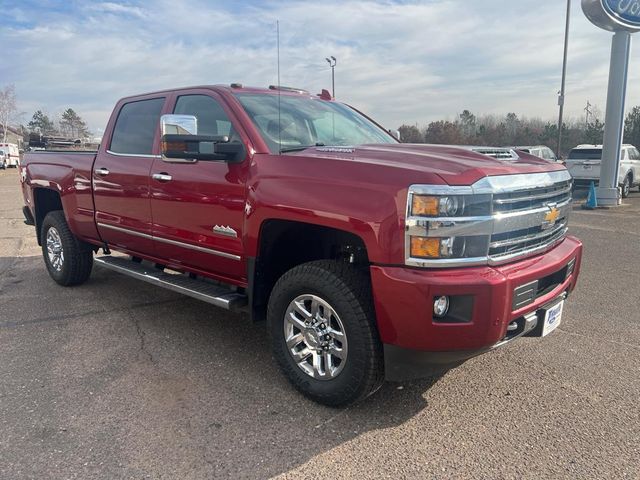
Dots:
{"x": 174, "y": 147}
{"x": 425, "y": 247}
{"x": 425, "y": 205}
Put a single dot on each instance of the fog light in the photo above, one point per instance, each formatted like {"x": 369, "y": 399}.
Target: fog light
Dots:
{"x": 570, "y": 267}
{"x": 441, "y": 306}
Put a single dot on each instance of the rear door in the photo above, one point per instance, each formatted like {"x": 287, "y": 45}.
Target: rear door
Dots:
{"x": 121, "y": 176}
{"x": 198, "y": 207}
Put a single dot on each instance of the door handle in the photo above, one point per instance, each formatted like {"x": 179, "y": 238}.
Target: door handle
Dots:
{"x": 101, "y": 171}
{"x": 162, "y": 177}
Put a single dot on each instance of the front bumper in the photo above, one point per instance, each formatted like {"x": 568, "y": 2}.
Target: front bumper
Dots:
{"x": 403, "y": 299}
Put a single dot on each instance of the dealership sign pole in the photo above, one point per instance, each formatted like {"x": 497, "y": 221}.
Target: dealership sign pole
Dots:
{"x": 623, "y": 18}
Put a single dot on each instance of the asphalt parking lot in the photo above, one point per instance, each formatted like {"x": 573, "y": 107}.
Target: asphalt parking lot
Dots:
{"x": 119, "y": 379}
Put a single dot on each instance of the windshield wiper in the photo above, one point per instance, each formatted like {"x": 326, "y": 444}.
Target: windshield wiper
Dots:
{"x": 300, "y": 148}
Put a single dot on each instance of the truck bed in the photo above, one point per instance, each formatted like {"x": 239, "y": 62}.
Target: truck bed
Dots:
{"x": 69, "y": 172}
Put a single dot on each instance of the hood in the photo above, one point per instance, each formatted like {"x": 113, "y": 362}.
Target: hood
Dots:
{"x": 455, "y": 165}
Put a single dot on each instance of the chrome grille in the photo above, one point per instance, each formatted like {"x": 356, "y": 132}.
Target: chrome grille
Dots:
{"x": 531, "y": 207}
{"x": 531, "y": 198}
{"x": 514, "y": 243}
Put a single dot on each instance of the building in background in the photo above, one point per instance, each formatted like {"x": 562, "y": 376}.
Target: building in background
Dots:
{"x": 13, "y": 136}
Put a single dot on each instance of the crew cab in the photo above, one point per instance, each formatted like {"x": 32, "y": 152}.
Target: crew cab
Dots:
{"x": 368, "y": 258}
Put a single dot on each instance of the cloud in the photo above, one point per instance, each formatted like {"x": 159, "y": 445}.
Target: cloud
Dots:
{"x": 400, "y": 62}
{"x": 116, "y": 8}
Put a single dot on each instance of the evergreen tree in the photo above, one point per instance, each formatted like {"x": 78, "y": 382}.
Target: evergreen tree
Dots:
{"x": 632, "y": 127}
{"x": 72, "y": 125}
{"x": 41, "y": 123}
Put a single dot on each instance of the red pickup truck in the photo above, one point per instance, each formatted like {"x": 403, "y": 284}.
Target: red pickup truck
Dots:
{"x": 368, "y": 258}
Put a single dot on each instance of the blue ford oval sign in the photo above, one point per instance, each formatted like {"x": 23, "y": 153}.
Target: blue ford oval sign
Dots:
{"x": 627, "y": 11}
{"x": 613, "y": 15}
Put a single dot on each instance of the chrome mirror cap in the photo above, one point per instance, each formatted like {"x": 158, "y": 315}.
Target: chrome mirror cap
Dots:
{"x": 178, "y": 125}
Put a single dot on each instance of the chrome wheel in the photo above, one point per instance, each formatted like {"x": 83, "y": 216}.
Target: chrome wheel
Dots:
{"x": 54, "y": 249}
{"x": 315, "y": 337}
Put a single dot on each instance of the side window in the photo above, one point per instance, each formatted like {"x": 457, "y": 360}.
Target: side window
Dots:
{"x": 136, "y": 126}
{"x": 635, "y": 155}
{"x": 212, "y": 119}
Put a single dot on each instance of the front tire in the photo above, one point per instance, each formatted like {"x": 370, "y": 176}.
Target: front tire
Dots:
{"x": 626, "y": 186}
{"x": 68, "y": 260}
{"x": 323, "y": 332}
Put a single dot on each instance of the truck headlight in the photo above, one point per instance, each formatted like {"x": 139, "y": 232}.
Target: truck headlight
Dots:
{"x": 433, "y": 206}
{"x": 447, "y": 225}
{"x": 448, "y": 247}
{"x": 449, "y": 205}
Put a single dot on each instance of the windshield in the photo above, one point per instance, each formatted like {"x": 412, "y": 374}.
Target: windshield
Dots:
{"x": 586, "y": 154}
{"x": 307, "y": 122}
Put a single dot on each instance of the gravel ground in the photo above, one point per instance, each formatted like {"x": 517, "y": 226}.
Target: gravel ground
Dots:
{"x": 119, "y": 379}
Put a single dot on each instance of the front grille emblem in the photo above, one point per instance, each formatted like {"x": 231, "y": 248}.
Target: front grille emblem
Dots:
{"x": 551, "y": 217}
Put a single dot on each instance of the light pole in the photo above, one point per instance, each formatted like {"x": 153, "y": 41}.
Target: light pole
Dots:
{"x": 564, "y": 78}
{"x": 332, "y": 63}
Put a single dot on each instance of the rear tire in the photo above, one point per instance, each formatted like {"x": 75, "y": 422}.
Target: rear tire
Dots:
{"x": 626, "y": 186}
{"x": 68, "y": 259}
{"x": 338, "y": 331}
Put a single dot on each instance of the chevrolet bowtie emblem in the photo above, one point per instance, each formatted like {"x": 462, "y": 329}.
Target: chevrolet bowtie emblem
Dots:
{"x": 553, "y": 215}
{"x": 550, "y": 218}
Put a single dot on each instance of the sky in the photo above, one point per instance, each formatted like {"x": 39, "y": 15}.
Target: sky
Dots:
{"x": 402, "y": 62}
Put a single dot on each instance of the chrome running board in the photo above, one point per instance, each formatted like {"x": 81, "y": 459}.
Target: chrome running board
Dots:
{"x": 217, "y": 295}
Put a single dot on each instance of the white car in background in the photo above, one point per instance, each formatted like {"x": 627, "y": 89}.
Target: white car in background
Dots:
{"x": 584, "y": 165}
{"x": 540, "y": 151}
{"x": 3, "y": 160}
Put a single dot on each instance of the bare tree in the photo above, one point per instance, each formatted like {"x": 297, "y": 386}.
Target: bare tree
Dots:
{"x": 7, "y": 108}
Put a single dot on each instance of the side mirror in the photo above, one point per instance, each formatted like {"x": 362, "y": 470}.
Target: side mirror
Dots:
{"x": 179, "y": 125}
{"x": 181, "y": 142}
{"x": 395, "y": 134}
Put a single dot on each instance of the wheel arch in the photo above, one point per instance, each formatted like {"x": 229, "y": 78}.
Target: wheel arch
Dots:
{"x": 283, "y": 244}
{"x": 45, "y": 200}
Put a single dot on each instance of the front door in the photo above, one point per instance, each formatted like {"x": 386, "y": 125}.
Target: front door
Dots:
{"x": 121, "y": 177}
{"x": 198, "y": 208}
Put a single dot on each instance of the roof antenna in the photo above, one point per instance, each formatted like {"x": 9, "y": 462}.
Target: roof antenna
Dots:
{"x": 279, "y": 90}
